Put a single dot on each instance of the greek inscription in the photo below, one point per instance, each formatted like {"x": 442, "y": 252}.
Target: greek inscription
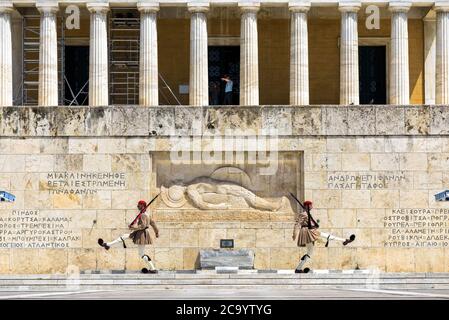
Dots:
{"x": 417, "y": 228}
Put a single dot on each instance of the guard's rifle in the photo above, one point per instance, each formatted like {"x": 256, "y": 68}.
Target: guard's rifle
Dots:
{"x": 309, "y": 216}
{"x": 143, "y": 210}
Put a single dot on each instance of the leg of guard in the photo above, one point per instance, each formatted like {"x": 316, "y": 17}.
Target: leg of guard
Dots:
{"x": 306, "y": 257}
{"x": 329, "y": 236}
{"x": 145, "y": 257}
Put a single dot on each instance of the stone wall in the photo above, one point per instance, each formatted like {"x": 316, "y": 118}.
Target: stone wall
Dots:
{"x": 368, "y": 170}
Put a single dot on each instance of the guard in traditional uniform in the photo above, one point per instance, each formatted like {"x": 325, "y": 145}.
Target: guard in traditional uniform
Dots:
{"x": 306, "y": 231}
{"x": 140, "y": 235}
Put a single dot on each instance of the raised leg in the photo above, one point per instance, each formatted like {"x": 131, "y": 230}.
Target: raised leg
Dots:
{"x": 330, "y": 237}
{"x": 120, "y": 239}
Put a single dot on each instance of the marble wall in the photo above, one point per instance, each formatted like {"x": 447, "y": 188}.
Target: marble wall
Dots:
{"x": 77, "y": 174}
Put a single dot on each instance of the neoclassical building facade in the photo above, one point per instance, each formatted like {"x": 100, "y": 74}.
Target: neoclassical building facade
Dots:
{"x": 343, "y": 103}
{"x": 174, "y": 52}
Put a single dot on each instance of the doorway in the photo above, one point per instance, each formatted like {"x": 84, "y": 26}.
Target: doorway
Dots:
{"x": 372, "y": 74}
{"x": 76, "y": 75}
{"x": 223, "y": 60}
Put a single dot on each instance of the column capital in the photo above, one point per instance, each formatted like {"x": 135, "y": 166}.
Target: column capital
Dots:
{"x": 248, "y": 6}
{"x": 349, "y": 6}
{"x": 399, "y": 6}
{"x": 97, "y": 7}
{"x": 195, "y": 7}
{"x": 441, "y": 6}
{"x": 47, "y": 7}
{"x": 148, "y": 7}
{"x": 299, "y": 6}
{"x": 6, "y": 7}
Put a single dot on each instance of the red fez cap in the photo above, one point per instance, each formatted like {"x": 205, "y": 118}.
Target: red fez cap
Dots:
{"x": 307, "y": 203}
{"x": 142, "y": 202}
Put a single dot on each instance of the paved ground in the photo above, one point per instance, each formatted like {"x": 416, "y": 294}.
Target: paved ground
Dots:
{"x": 202, "y": 285}
{"x": 237, "y": 294}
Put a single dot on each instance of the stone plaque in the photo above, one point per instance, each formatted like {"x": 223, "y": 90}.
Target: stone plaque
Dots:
{"x": 242, "y": 258}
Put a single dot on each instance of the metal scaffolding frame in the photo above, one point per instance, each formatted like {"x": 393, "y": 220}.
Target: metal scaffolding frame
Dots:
{"x": 30, "y": 55}
{"x": 124, "y": 33}
{"x": 124, "y": 48}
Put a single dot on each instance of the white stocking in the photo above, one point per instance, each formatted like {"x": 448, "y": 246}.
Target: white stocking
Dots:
{"x": 329, "y": 236}
{"x": 118, "y": 240}
{"x": 146, "y": 258}
{"x": 307, "y": 256}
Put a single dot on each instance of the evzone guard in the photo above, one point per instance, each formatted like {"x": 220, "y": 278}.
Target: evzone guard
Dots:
{"x": 140, "y": 235}
{"x": 306, "y": 231}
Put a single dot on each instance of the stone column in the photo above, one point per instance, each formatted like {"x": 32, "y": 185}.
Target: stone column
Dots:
{"x": 249, "y": 56}
{"x": 6, "y": 92}
{"x": 299, "y": 54}
{"x": 98, "y": 54}
{"x": 429, "y": 57}
{"x": 148, "y": 65}
{"x": 349, "y": 53}
{"x": 399, "y": 92}
{"x": 48, "y": 55}
{"x": 442, "y": 53}
{"x": 199, "y": 79}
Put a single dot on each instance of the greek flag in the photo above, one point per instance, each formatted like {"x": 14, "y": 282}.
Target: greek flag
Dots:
{"x": 442, "y": 196}
{"x": 6, "y": 196}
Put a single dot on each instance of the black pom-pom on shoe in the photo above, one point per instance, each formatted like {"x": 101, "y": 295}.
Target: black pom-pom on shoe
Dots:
{"x": 306, "y": 270}
{"x": 144, "y": 270}
{"x": 103, "y": 244}
{"x": 351, "y": 238}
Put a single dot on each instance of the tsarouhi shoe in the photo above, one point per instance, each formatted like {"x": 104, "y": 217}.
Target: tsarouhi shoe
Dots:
{"x": 351, "y": 238}
{"x": 145, "y": 270}
{"x": 103, "y": 244}
{"x": 302, "y": 271}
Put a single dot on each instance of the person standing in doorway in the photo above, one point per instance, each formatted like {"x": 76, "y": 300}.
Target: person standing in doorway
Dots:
{"x": 228, "y": 89}
{"x": 214, "y": 93}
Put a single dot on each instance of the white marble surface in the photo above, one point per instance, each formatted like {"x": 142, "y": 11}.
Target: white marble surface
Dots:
{"x": 148, "y": 75}
{"x": 5, "y": 56}
{"x": 429, "y": 58}
{"x": 249, "y": 56}
{"x": 349, "y": 54}
{"x": 442, "y": 54}
{"x": 98, "y": 59}
{"x": 399, "y": 92}
{"x": 48, "y": 56}
{"x": 299, "y": 55}
{"x": 199, "y": 83}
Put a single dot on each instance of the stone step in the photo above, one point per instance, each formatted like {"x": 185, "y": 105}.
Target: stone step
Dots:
{"x": 242, "y": 274}
{"x": 225, "y": 277}
{"x": 45, "y": 288}
{"x": 190, "y": 281}
{"x": 242, "y": 280}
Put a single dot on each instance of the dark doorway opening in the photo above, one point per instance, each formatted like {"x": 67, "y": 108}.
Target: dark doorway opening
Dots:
{"x": 76, "y": 67}
{"x": 372, "y": 75}
{"x": 223, "y": 60}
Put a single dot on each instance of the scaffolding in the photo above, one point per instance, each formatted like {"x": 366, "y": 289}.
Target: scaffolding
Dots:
{"x": 124, "y": 33}
{"x": 124, "y": 46}
{"x": 30, "y": 54}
